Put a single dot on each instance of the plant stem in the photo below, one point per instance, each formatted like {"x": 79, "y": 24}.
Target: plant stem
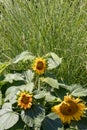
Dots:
{"x": 38, "y": 83}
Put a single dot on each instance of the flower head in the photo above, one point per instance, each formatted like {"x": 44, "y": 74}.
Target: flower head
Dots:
{"x": 25, "y": 100}
{"x": 70, "y": 109}
{"x": 39, "y": 65}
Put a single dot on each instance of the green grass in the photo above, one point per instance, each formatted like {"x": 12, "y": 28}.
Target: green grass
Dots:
{"x": 41, "y": 26}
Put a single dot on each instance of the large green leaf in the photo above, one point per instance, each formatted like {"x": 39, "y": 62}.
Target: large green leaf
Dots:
{"x": 8, "y": 118}
{"x": 13, "y": 77}
{"x": 51, "y": 98}
{"x": 54, "y": 61}
{"x": 22, "y": 57}
{"x": 33, "y": 116}
{"x": 27, "y": 87}
{"x": 77, "y": 90}
{"x": 7, "y": 106}
{"x": 52, "y": 122}
{"x": 20, "y": 125}
{"x": 10, "y": 94}
{"x": 39, "y": 94}
{"x": 52, "y": 82}
{"x": 29, "y": 75}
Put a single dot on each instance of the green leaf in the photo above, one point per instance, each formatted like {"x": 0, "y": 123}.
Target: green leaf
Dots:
{"x": 52, "y": 122}
{"x": 29, "y": 75}
{"x": 22, "y": 57}
{"x": 13, "y": 77}
{"x": 27, "y": 87}
{"x": 52, "y": 82}
{"x": 18, "y": 126}
{"x": 82, "y": 124}
{"x": 8, "y": 118}
{"x": 3, "y": 66}
{"x": 49, "y": 97}
{"x": 78, "y": 90}
{"x": 10, "y": 94}
{"x": 54, "y": 62}
{"x": 39, "y": 94}
{"x": 33, "y": 116}
{"x": 7, "y": 106}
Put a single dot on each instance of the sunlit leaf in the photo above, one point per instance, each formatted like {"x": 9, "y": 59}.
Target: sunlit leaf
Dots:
{"x": 27, "y": 87}
{"x": 8, "y": 118}
{"x": 23, "y": 56}
{"x": 10, "y": 94}
{"x": 39, "y": 94}
{"x": 13, "y": 77}
{"x": 52, "y": 122}
{"x": 33, "y": 116}
{"x": 29, "y": 75}
{"x": 49, "y": 97}
{"x": 7, "y": 105}
{"x": 54, "y": 61}
{"x": 52, "y": 82}
{"x": 78, "y": 90}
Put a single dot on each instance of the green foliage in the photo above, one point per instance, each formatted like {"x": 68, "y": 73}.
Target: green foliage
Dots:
{"x": 40, "y": 27}
{"x": 33, "y": 116}
{"x": 47, "y": 26}
{"x": 53, "y": 121}
{"x": 52, "y": 82}
{"x": 8, "y": 117}
{"x": 78, "y": 90}
{"x": 46, "y": 92}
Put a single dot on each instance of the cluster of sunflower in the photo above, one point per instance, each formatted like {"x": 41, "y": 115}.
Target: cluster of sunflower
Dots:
{"x": 38, "y": 99}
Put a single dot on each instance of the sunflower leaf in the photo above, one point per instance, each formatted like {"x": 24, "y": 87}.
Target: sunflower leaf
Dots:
{"x": 54, "y": 61}
{"x": 27, "y": 87}
{"x": 52, "y": 122}
{"x": 29, "y": 75}
{"x": 8, "y": 118}
{"x": 78, "y": 90}
{"x": 10, "y": 94}
{"x": 52, "y": 82}
{"x": 13, "y": 77}
{"x": 22, "y": 57}
{"x": 39, "y": 94}
{"x": 50, "y": 97}
{"x": 33, "y": 116}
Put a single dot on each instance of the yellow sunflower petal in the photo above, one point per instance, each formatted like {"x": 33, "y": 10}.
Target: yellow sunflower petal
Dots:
{"x": 39, "y": 65}
{"x": 70, "y": 109}
{"x": 25, "y": 100}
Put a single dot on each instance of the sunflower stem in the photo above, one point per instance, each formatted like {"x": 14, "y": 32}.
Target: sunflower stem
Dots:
{"x": 38, "y": 83}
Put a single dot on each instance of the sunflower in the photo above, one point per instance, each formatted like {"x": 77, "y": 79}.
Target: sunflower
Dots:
{"x": 70, "y": 109}
{"x": 25, "y": 100}
{"x": 39, "y": 65}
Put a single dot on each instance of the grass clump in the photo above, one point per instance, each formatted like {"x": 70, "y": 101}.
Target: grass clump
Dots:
{"x": 47, "y": 26}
